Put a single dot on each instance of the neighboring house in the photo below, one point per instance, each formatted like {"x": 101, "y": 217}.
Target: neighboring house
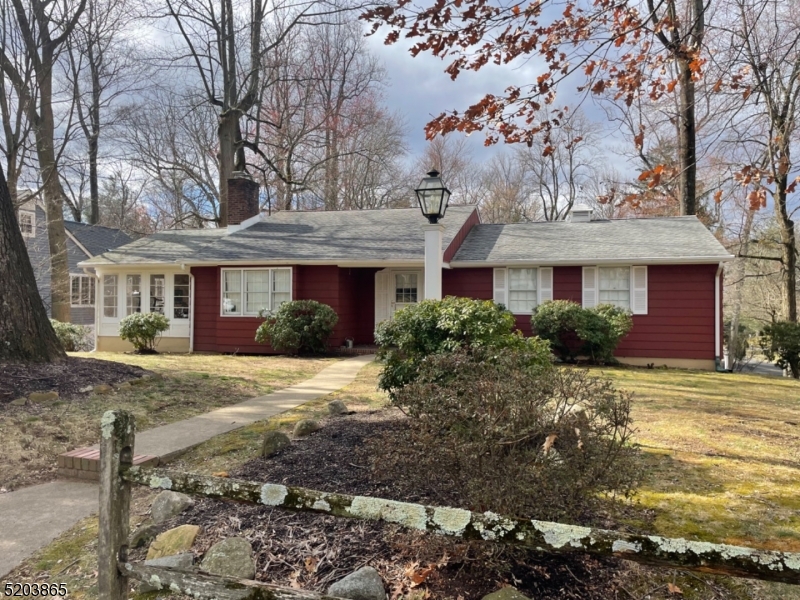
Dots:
{"x": 83, "y": 242}
{"x": 369, "y": 264}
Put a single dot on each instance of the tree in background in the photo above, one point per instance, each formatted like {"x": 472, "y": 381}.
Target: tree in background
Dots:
{"x": 25, "y": 331}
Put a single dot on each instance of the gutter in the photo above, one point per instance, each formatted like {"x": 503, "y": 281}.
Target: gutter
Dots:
{"x": 717, "y": 325}
{"x": 571, "y": 262}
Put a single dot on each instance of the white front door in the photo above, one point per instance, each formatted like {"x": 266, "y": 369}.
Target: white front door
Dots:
{"x": 396, "y": 289}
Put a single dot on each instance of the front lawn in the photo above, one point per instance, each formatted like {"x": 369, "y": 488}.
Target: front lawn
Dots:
{"x": 34, "y": 434}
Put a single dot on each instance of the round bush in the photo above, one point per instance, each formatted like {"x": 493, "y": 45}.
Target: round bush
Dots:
{"x": 436, "y": 326}
{"x": 142, "y": 329}
{"x": 73, "y": 338}
{"x": 298, "y": 327}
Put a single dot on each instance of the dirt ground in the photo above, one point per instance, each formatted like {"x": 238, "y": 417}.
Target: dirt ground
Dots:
{"x": 67, "y": 378}
{"x": 312, "y": 551}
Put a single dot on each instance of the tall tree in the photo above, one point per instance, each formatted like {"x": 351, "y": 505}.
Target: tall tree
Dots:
{"x": 25, "y": 332}
{"x": 44, "y": 27}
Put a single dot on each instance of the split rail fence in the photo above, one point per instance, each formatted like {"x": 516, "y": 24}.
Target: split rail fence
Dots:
{"x": 117, "y": 474}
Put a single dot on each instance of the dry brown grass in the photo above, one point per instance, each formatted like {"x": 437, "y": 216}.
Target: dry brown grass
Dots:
{"x": 33, "y": 435}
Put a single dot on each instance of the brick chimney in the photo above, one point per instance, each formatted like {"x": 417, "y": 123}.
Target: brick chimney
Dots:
{"x": 242, "y": 198}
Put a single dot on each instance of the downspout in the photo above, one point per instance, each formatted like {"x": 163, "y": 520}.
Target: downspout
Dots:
{"x": 191, "y": 312}
{"x": 720, "y": 368}
{"x": 97, "y": 308}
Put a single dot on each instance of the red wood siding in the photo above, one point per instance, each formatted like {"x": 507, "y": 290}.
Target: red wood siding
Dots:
{"x": 680, "y": 319}
{"x": 456, "y": 242}
{"x": 350, "y": 292}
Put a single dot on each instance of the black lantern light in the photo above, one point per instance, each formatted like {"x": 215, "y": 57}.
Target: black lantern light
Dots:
{"x": 433, "y": 196}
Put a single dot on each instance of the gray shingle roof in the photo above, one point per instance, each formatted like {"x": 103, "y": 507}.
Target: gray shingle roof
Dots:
{"x": 96, "y": 238}
{"x": 162, "y": 247}
{"x": 658, "y": 239}
{"x": 360, "y": 235}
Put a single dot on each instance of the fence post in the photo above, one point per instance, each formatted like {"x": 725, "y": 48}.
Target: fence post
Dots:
{"x": 116, "y": 451}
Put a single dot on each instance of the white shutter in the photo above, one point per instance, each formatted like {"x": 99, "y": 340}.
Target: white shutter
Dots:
{"x": 500, "y": 287}
{"x": 589, "y": 287}
{"x": 381, "y": 296}
{"x": 639, "y": 290}
{"x": 545, "y": 284}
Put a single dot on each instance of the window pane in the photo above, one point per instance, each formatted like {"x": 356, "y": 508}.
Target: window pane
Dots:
{"x": 405, "y": 288}
{"x": 110, "y": 296}
{"x": 615, "y": 285}
{"x": 133, "y": 294}
{"x": 256, "y": 291}
{"x": 158, "y": 293}
{"x": 181, "y": 300}
{"x": 86, "y": 290}
{"x": 522, "y": 290}
{"x": 281, "y": 289}
{"x": 232, "y": 293}
{"x": 75, "y": 290}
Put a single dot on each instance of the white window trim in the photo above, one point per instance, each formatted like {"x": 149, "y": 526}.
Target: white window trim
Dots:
{"x": 632, "y": 289}
{"x": 80, "y": 286}
{"x": 101, "y": 286}
{"x": 32, "y": 215}
{"x": 171, "y": 299}
{"x": 543, "y": 293}
{"x": 241, "y": 314}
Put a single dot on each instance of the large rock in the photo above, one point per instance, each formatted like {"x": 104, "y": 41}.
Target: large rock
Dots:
{"x": 337, "y": 407}
{"x": 102, "y": 388}
{"x": 173, "y": 541}
{"x": 168, "y": 504}
{"x": 232, "y": 557}
{"x": 143, "y": 534}
{"x": 506, "y": 593}
{"x": 40, "y": 397}
{"x": 19, "y": 402}
{"x": 274, "y": 442}
{"x": 306, "y": 427}
{"x": 364, "y": 584}
{"x": 176, "y": 561}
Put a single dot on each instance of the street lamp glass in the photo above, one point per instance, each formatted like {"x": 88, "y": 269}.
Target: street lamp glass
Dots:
{"x": 433, "y": 196}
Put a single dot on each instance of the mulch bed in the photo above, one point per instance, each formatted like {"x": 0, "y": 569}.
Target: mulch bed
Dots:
{"x": 67, "y": 378}
{"x": 312, "y": 551}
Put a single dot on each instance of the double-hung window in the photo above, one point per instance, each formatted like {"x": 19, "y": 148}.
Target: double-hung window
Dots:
{"x": 110, "y": 296}
{"x": 181, "y": 299}
{"x": 623, "y": 287}
{"x": 249, "y": 291}
{"x": 81, "y": 290}
{"x": 27, "y": 223}
{"x": 521, "y": 290}
{"x": 133, "y": 294}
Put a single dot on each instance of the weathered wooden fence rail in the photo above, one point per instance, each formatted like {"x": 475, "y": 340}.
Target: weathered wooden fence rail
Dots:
{"x": 117, "y": 475}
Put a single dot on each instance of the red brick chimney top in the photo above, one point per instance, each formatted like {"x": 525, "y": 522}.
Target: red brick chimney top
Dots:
{"x": 242, "y": 198}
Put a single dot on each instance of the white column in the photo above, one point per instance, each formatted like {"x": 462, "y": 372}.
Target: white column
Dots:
{"x": 433, "y": 261}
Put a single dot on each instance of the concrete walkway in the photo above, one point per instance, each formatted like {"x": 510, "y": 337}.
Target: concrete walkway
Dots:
{"x": 32, "y": 517}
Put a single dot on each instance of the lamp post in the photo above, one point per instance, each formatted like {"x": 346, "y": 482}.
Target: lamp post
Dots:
{"x": 433, "y": 197}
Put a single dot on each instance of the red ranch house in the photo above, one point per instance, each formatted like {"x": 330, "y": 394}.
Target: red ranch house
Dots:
{"x": 368, "y": 264}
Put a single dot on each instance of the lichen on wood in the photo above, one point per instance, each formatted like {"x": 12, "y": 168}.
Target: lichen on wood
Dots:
{"x": 540, "y": 535}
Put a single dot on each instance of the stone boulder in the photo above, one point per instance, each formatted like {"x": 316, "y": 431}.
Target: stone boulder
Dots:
{"x": 337, "y": 407}
{"x": 173, "y": 541}
{"x": 182, "y": 561}
{"x": 125, "y": 385}
{"x": 168, "y": 504}
{"x": 274, "y": 442}
{"x": 41, "y": 397}
{"x": 102, "y": 388}
{"x": 306, "y": 427}
{"x": 232, "y": 557}
{"x": 506, "y": 593}
{"x": 364, "y": 584}
{"x": 19, "y": 402}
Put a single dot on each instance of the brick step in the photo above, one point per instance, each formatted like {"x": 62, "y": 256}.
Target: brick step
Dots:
{"x": 84, "y": 463}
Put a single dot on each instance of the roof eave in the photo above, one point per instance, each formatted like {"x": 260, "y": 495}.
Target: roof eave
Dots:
{"x": 571, "y": 262}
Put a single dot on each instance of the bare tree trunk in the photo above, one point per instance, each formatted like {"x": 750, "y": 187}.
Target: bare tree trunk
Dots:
{"x": 687, "y": 141}
{"x": 788, "y": 253}
{"x": 25, "y": 331}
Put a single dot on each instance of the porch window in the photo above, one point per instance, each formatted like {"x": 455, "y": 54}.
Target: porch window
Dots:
{"x": 614, "y": 286}
{"x": 81, "y": 290}
{"x": 110, "y": 296}
{"x": 158, "y": 293}
{"x": 522, "y": 298}
{"x": 405, "y": 289}
{"x": 180, "y": 299}
{"x": 133, "y": 294}
{"x": 249, "y": 291}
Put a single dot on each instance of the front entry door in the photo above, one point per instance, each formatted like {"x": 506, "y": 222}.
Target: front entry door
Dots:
{"x": 406, "y": 289}
{"x": 396, "y": 289}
